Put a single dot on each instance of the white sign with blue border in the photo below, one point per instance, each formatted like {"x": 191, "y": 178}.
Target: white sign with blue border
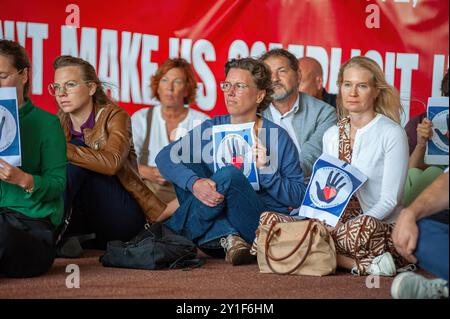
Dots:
{"x": 233, "y": 146}
{"x": 332, "y": 184}
{"x": 437, "y": 145}
{"x": 9, "y": 127}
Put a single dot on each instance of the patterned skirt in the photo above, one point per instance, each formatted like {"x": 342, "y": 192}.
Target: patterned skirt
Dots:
{"x": 363, "y": 238}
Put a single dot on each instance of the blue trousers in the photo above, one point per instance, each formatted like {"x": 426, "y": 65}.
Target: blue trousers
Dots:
{"x": 432, "y": 247}
{"x": 238, "y": 214}
{"x": 101, "y": 205}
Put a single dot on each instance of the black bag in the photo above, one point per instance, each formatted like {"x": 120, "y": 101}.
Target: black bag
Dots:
{"x": 156, "y": 247}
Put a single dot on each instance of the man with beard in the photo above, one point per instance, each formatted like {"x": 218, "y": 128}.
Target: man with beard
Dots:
{"x": 304, "y": 117}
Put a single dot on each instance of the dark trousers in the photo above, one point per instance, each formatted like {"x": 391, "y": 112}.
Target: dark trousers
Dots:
{"x": 26, "y": 245}
{"x": 101, "y": 205}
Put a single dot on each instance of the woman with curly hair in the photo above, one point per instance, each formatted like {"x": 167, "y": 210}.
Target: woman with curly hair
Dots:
{"x": 222, "y": 208}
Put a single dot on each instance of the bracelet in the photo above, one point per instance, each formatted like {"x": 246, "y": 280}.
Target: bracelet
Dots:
{"x": 28, "y": 190}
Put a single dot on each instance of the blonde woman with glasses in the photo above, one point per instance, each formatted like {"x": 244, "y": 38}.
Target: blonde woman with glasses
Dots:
{"x": 105, "y": 194}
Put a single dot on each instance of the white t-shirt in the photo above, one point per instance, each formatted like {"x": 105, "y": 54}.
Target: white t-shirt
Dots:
{"x": 285, "y": 121}
{"x": 380, "y": 151}
{"x": 158, "y": 132}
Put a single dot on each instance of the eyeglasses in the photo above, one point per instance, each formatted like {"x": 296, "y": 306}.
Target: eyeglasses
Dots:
{"x": 239, "y": 87}
{"x": 68, "y": 87}
{"x": 4, "y": 77}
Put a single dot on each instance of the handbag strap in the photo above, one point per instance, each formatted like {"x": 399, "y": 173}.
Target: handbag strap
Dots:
{"x": 143, "y": 159}
{"x": 300, "y": 243}
{"x": 345, "y": 154}
{"x": 310, "y": 230}
{"x": 187, "y": 264}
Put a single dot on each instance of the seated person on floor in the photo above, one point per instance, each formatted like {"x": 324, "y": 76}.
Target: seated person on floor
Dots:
{"x": 222, "y": 208}
{"x": 369, "y": 137}
{"x": 104, "y": 191}
{"x": 304, "y": 117}
{"x": 31, "y": 196}
{"x": 424, "y": 241}
{"x": 174, "y": 86}
{"x": 420, "y": 175}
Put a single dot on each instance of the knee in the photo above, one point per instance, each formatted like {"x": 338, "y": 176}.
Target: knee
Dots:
{"x": 363, "y": 220}
{"x": 414, "y": 171}
{"x": 366, "y": 224}
{"x": 229, "y": 174}
{"x": 434, "y": 170}
{"x": 429, "y": 226}
{"x": 199, "y": 169}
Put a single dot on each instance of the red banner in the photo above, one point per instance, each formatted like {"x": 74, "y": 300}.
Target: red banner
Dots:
{"x": 126, "y": 41}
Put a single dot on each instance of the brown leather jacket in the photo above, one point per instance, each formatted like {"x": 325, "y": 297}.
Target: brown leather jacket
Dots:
{"x": 111, "y": 152}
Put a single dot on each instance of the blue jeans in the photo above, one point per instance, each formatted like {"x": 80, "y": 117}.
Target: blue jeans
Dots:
{"x": 238, "y": 214}
{"x": 432, "y": 247}
{"x": 101, "y": 205}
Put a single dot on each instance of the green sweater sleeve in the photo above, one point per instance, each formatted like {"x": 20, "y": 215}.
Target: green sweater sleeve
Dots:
{"x": 50, "y": 184}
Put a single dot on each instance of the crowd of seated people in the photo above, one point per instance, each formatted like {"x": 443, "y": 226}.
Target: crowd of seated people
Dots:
{"x": 93, "y": 169}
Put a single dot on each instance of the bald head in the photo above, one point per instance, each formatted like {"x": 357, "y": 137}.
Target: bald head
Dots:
{"x": 312, "y": 77}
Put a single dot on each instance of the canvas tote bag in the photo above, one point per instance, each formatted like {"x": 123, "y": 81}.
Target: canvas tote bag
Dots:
{"x": 299, "y": 248}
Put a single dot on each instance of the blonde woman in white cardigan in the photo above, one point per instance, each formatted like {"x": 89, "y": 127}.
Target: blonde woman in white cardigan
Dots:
{"x": 369, "y": 137}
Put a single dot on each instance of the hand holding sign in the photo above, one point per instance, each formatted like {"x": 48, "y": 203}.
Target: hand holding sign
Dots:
{"x": 260, "y": 154}
{"x": 424, "y": 131}
{"x": 14, "y": 175}
{"x": 331, "y": 189}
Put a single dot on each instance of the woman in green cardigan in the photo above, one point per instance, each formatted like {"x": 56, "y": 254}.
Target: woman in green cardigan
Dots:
{"x": 31, "y": 202}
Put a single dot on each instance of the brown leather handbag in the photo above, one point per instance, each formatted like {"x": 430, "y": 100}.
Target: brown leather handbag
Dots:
{"x": 299, "y": 248}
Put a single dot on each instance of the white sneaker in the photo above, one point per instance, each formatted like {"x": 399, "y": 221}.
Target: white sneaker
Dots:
{"x": 413, "y": 286}
{"x": 382, "y": 265}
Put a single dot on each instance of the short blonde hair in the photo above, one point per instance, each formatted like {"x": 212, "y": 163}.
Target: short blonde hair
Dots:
{"x": 388, "y": 99}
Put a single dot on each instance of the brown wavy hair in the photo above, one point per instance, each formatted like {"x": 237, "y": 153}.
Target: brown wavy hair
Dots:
{"x": 388, "y": 100}
{"x": 100, "y": 98}
{"x": 182, "y": 64}
{"x": 261, "y": 75}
